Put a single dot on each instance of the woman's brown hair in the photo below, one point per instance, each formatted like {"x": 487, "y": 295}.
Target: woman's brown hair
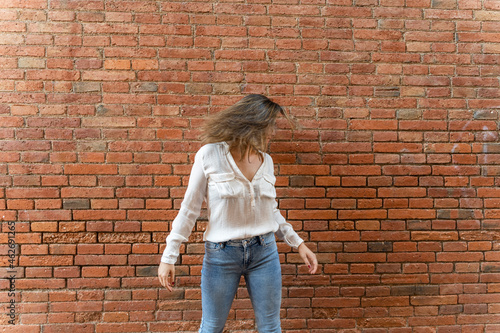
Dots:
{"x": 244, "y": 125}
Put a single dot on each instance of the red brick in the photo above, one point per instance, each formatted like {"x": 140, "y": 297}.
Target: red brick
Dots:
{"x": 46, "y": 260}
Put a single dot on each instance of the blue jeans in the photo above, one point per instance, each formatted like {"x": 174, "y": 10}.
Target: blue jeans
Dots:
{"x": 224, "y": 263}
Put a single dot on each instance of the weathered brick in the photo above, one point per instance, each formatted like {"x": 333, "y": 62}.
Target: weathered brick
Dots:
{"x": 76, "y": 204}
{"x": 81, "y": 87}
{"x": 380, "y": 246}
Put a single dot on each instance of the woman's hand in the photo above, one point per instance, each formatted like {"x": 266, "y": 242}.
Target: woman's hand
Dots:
{"x": 166, "y": 274}
{"x": 309, "y": 258}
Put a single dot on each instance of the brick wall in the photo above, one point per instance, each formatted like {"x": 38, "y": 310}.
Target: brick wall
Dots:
{"x": 392, "y": 179}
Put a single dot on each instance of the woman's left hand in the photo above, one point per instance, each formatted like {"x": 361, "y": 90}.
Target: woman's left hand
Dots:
{"x": 309, "y": 258}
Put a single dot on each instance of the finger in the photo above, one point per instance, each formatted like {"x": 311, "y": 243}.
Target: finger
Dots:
{"x": 314, "y": 267}
{"x": 308, "y": 258}
{"x": 169, "y": 279}
{"x": 306, "y": 261}
{"x": 172, "y": 277}
{"x": 163, "y": 281}
{"x": 166, "y": 283}
{"x": 160, "y": 278}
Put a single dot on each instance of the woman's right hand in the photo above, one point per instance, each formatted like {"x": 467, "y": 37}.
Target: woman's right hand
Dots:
{"x": 166, "y": 274}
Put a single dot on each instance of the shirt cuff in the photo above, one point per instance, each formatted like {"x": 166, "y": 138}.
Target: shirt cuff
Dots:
{"x": 294, "y": 241}
{"x": 168, "y": 260}
{"x": 169, "y": 257}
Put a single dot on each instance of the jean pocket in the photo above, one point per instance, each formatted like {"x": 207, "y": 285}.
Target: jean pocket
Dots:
{"x": 271, "y": 243}
{"x": 212, "y": 247}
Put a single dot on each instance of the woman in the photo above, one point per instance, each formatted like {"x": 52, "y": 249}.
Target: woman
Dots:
{"x": 236, "y": 178}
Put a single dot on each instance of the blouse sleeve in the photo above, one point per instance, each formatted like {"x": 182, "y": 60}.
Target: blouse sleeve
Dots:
{"x": 285, "y": 230}
{"x": 188, "y": 213}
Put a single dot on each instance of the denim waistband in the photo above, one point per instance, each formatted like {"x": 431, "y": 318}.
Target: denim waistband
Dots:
{"x": 261, "y": 239}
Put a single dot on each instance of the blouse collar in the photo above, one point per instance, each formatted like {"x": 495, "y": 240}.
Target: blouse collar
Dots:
{"x": 232, "y": 162}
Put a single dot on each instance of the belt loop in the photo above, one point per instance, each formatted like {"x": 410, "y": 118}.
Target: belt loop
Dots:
{"x": 261, "y": 240}
{"x": 222, "y": 245}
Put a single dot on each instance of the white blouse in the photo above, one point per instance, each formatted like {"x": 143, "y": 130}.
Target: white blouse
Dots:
{"x": 237, "y": 208}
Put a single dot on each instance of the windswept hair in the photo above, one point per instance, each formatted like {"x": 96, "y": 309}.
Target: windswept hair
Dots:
{"x": 244, "y": 125}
